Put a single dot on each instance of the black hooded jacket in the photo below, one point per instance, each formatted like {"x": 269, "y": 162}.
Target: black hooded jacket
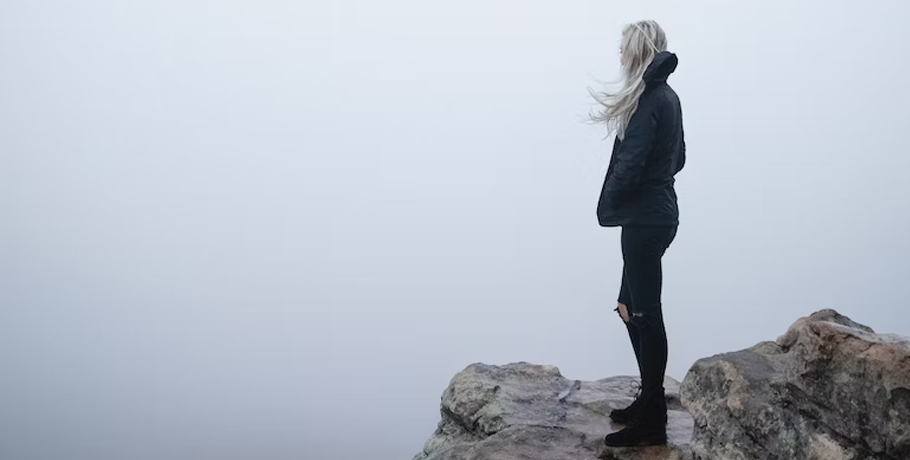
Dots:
{"x": 638, "y": 188}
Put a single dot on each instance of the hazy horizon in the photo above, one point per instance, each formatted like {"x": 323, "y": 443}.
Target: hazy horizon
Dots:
{"x": 276, "y": 230}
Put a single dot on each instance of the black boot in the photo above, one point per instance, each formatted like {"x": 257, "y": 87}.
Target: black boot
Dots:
{"x": 627, "y": 414}
{"x": 647, "y": 428}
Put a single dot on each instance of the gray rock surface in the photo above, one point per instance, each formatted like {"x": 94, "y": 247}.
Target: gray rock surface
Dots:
{"x": 531, "y": 412}
{"x": 828, "y": 389}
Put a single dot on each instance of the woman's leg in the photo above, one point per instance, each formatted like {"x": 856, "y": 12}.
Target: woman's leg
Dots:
{"x": 624, "y": 303}
{"x": 626, "y": 414}
{"x": 643, "y": 248}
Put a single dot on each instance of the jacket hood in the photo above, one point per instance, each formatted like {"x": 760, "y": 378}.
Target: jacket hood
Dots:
{"x": 663, "y": 64}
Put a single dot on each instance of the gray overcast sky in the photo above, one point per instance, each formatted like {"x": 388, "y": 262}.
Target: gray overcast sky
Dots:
{"x": 275, "y": 230}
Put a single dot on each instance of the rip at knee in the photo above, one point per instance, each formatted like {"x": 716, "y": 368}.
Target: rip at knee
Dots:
{"x": 646, "y": 319}
{"x": 623, "y": 312}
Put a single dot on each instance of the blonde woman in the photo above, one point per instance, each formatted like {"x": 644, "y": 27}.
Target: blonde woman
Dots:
{"x": 638, "y": 195}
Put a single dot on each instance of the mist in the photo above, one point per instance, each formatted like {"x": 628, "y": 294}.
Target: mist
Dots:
{"x": 275, "y": 230}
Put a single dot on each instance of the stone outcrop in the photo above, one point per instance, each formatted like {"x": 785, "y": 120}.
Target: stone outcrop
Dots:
{"x": 525, "y": 411}
{"x": 828, "y": 389}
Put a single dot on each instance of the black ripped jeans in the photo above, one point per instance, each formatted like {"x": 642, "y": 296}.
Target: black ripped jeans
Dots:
{"x": 642, "y": 279}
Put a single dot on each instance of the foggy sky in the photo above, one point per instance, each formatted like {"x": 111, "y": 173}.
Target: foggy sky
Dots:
{"x": 275, "y": 230}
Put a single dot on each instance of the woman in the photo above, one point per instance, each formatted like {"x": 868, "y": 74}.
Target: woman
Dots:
{"x": 638, "y": 196}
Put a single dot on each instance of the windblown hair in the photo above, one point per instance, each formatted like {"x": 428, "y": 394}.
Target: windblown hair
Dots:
{"x": 640, "y": 42}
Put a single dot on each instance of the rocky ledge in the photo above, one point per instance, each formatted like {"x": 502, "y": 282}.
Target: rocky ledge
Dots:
{"x": 828, "y": 389}
{"x": 527, "y": 411}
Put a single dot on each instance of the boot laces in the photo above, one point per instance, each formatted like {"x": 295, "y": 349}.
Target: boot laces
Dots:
{"x": 636, "y": 385}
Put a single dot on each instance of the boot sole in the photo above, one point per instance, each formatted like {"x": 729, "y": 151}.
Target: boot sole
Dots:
{"x": 625, "y": 420}
{"x": 652, "y": 441}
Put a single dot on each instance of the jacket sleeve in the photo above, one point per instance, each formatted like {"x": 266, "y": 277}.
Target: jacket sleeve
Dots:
{"x": 633, "y": 153}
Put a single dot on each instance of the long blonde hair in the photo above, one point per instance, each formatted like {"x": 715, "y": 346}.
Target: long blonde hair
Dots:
{"x": 640, "y": 42}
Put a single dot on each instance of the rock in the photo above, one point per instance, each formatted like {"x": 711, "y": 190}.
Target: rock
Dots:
{"x": 529, "y": 412}
{"x": 829, "y": 388}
